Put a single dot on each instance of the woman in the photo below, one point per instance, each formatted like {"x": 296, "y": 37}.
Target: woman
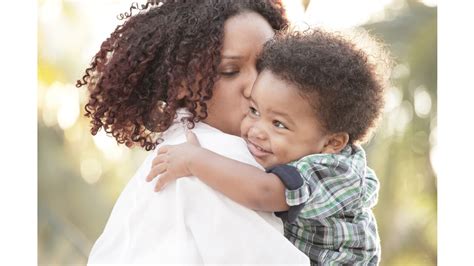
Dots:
{"x": 184, "y": 61}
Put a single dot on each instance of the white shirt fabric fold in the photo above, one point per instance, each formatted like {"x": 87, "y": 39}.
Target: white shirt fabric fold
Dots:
{"x": 188, "y": 222}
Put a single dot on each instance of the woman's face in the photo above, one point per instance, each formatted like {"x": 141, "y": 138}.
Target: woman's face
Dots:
{"x": 244, "y": 36}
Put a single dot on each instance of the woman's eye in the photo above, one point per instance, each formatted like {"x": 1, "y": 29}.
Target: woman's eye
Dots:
{"x": 253, "y": 111}
{"x": 279, "y": 124}
{"x": 229, "y": 73}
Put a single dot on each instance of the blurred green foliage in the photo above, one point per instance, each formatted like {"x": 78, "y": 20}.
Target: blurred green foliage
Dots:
{"x": 407, "y": 208}
{"x": 79, "y": 181}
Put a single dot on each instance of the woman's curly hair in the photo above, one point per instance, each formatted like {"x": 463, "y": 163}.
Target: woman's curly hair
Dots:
{"x": 343, "y": 77}
{"x": 135, "y": 78}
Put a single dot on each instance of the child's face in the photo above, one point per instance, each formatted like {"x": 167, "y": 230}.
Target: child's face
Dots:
{"x": 281, "y": 125}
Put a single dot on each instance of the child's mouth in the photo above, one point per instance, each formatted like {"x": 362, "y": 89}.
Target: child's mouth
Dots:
{"x": 256, "y": 150}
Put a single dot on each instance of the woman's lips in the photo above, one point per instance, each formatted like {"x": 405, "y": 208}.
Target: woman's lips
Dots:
{"x": 256, "y": 150}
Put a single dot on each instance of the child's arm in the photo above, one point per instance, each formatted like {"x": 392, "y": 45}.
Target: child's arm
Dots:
{"x": 241, "y": 182}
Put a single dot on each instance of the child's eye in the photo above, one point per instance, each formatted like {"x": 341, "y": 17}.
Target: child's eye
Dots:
{"x": 279, "y": 124}
{"x": 253, "y": 111}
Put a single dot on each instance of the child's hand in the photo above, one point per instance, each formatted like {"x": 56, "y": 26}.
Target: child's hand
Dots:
{"x": 172, "y": 161}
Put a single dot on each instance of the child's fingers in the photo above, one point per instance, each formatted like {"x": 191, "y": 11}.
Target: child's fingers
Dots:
{"x": 192, "y": 138}
{"x": 163, "y": 149}
{"x": 149, "y": 177}
{"x": 156, "y": 170}
{"x": 162, "y": 182}
{"x": 160, "y": 158}
{"x": 161, "y": 168}
{"x": 152, "y": 174}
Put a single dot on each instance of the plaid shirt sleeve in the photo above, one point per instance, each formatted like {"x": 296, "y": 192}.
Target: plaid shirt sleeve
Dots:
{"x": 331, "y": 183}
{"x": 294, "y": 183}
{"x": 334, "y": 187}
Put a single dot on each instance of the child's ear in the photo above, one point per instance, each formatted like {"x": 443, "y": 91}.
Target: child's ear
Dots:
{"x": 336, "y": 142}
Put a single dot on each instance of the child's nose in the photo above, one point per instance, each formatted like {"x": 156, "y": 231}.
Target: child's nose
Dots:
{"x": 257, "y": 132}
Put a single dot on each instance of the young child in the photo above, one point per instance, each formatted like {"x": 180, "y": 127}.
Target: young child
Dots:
{"x": 317, "y": 97}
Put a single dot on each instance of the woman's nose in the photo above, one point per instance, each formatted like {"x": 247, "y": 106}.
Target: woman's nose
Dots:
{"x": 251, "y": 80}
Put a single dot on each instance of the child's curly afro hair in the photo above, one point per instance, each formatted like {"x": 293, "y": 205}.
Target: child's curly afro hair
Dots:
{"x": 343, "y": 81}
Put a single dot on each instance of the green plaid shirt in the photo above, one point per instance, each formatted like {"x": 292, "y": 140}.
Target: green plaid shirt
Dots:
{"x": 330, "y": 198}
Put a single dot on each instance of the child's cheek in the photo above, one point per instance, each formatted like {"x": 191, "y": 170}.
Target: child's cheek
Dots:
{"x": 244, "y": 126}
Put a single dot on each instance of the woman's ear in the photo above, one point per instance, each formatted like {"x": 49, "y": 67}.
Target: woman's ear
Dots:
{"x": 184, "y": 88}
{"x": 336, "y": 142}
{"x": 182, "y": 91}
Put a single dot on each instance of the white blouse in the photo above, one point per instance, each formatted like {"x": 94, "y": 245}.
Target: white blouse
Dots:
{"x": 189, "y": 222}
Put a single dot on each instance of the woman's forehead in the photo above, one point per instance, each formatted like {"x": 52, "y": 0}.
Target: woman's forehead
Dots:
{"x": 244, "y": 33}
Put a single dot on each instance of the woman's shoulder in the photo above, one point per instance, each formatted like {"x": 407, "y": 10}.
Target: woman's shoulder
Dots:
{"x": 210, "y": 138}
{"x": 206, "y": 131}
{"x": 224, "y": 144}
